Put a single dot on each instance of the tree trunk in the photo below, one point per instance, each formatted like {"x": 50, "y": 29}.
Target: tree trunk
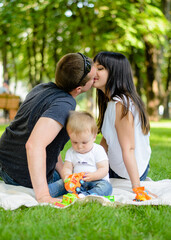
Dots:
{"x": 4, "y": 57}
{"x": 168, "y": 90}
{"x": 139, "y": 85}
{"x": 29, "y": 62}
{"x": 43, "y": 46}
{"x": 15, "y": 67}
{"x": 34, "y": 46}
{"x": 166, "y": 7}
{"x": 152, "y": 86}
{"x": 90, "y": 101}
{"x": 55, "y": 55}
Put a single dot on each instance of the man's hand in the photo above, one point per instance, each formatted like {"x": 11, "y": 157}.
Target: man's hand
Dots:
{"x": 48, "y": 199}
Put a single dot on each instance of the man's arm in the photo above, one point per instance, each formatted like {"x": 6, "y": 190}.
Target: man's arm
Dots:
{"x": 44, "y": 132}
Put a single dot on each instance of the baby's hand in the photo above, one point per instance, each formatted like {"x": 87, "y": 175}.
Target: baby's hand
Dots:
{"x": 88, "y": 177}
{"x": 65, "y": 178}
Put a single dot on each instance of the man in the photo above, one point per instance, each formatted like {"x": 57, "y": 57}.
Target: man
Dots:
{"x": 30, "y": 147}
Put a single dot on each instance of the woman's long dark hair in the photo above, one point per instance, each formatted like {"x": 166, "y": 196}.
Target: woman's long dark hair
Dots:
{"x": 119, "y": 83}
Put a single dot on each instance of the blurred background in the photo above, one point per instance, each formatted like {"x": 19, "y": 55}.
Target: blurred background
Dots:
{"x": 34, "y": 35}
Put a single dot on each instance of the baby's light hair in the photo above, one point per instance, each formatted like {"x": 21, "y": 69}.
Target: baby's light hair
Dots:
{"x": 81, "y": 121}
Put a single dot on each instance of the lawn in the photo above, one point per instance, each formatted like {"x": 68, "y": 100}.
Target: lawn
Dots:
{"x": 91, "y": 221}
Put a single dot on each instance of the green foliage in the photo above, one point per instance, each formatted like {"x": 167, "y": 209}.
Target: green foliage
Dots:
{"x": 40, "y": 32}
{"x": 36, "y": 34}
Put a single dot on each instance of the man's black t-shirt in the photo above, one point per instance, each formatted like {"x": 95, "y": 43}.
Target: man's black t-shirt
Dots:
{"x": 45, "y": 100}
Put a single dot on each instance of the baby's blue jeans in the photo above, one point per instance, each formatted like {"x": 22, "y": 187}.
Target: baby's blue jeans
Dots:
{"x": 99, "y": 187}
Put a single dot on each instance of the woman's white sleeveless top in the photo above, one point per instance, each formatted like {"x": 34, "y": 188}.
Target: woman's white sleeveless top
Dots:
{"x": 142, "y": 145}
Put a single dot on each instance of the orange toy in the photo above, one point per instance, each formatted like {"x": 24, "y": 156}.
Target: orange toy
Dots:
{"x": 141, "y": 194}
{"x": 74, "y": 182}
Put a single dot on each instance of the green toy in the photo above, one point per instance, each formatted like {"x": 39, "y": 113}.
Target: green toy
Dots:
{"x": 111, "y": 198}
{"x": 67, "y": 200}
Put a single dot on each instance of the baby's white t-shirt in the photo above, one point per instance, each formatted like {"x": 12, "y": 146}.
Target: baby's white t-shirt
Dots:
{"x": 87, "y": 162}
{"x": 142, "y": 145}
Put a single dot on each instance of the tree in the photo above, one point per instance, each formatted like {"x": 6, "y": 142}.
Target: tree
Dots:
{"x": 166, "y": 7}
{"x": 36, "y": 34}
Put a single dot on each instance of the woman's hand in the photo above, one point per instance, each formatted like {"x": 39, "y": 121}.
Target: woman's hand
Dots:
{"x": 142, "y": 194}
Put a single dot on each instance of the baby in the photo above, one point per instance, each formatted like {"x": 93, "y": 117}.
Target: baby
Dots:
{"x": 86, "y": 156}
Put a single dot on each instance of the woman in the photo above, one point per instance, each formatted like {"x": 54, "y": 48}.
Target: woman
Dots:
{"x": 122, "y": 118}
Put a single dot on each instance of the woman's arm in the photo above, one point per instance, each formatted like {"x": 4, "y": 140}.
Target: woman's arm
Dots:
{"x": 44, "y": 132}
{"x": 125, "y": 131}
{"x": 104, "y": 144}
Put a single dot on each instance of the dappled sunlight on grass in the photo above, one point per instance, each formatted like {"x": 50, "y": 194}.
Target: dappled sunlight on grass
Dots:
{"x": 158, "y": 136}
{"x": 160, "y": 131}
{"x": 160, "y": 141}
{"x": 161, "y": 124}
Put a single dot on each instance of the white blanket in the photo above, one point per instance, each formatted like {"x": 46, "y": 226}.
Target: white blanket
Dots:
{"x": 13, "y": 197}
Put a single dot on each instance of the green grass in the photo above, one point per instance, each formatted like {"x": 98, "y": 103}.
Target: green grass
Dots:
{"x": 91, "y": 221}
